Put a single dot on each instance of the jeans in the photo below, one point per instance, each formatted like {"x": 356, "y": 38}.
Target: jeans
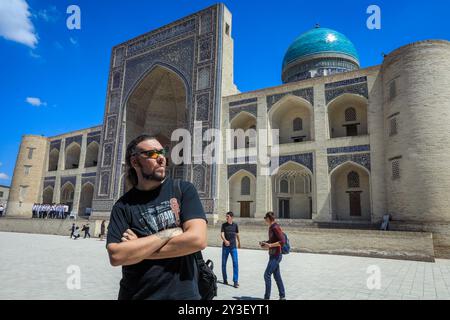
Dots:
{"x": 273, "y": 267}
{"x": 234, "y": 256}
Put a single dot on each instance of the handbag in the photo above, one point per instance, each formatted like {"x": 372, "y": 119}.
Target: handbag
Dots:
{"x": 207, "y": 280}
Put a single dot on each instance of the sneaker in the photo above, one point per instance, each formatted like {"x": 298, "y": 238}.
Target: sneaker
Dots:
{"x": 236, "y": 285}
{"x": 282, "y": 298}
{"x": 225, "y": 282}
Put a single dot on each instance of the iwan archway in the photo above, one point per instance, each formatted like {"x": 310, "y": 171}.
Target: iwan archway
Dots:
{"x": 158, "y": 106}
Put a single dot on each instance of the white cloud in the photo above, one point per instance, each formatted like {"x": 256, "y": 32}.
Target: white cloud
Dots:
{"x": 15, "y": 23}
{"x": 50, "y": 14}
{"x": 34, "y": 55}
{"x": 36, "y": 102}
{"x": 3, "y": 176}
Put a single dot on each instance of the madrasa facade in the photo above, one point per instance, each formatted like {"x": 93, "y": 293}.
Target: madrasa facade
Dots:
{"x": 353, "y": 144}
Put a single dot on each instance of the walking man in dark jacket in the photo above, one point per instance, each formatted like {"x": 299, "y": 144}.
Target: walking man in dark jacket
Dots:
{"x": 274, "y": 244}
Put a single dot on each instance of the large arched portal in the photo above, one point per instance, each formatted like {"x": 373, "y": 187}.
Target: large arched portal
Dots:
{"x": 242, "y": 194}
{"x": 91, "y": 155}
{"x": 350, "y": 192}
{"x": 73, "y": 156}
{"x": 53, "y": 159}
{"x": 47, "y": 195}
{"x": 157, "y": 106}
{"x": 292, "y": 191}
{"x": 293, "y": 116}
{"x": 87, "y": 193}
{"x": 347, "y": 116}
{"x": 67, "y": 195}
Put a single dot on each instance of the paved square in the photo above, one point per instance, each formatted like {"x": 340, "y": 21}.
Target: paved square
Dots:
{"x": 39, "y": 266}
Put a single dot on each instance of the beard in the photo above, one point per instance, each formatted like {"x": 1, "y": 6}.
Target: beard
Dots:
{"x": 153, "y": 175}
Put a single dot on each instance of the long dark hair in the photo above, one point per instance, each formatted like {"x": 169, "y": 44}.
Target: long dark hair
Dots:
{"x": 131, "y": 150}
{"x": 270, "y": 215}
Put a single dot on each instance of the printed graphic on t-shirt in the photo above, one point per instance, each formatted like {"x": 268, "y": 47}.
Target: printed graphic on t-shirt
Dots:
{"x": 159, "y": 217}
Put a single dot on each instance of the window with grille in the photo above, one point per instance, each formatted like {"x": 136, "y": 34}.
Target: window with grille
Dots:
{"x": 245, "y": 186}
{"x": 353, "y": 180}
{"x": 298, "y": 124}
{"x": 27, "y": 170}
{"x": 350, "y": 114}
{"x": 23, "y": 192}
{"x": 395, "y": 170}
{"x": 116, "y": 81}
{"x": 284, "y": 186}
{"x": 392, "y": 90}
{"x": 393, "y": 127}
{"x": 30, "y": 153}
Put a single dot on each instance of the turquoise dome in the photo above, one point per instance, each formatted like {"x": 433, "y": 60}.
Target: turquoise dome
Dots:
{"x": 317, "y": 41}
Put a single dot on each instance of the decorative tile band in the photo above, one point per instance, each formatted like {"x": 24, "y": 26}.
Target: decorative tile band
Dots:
{"x": 307, "y": 94}
{"x": 76, "y": 139}
{"x": 349, "y": 149}
{"x": 90, "y": 174}
{"x": 93, "y": 138}
{"x": 240, "y": 102}
{"x": 86, "y": 180}
{"x": 359, "y": 89}
{"x": 96, "y": 133}
{"x": 252, "y": 109}
{"x": 49, "y": 184}
{"x": 305, "y": 159}
{"x": 362, "y": 159}
{"x": 345, "y": 83}
{"x": 72, "y": 180}
{"x": 232, "y": 169}
{"x": 158, "y": 37}
{"x": 55, "y": 145}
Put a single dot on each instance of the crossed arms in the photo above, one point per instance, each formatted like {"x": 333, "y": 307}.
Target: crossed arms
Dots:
{"x": 170, "y": 243}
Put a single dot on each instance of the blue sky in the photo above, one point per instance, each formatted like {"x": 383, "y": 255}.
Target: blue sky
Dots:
{"x": 63, "y": 73}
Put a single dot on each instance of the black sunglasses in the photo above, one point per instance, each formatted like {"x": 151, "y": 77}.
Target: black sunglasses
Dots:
{"x": 152, "y": 154}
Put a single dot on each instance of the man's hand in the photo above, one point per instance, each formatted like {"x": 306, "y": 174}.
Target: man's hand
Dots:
{"x": 129, "y": 235}
{"x": 265, "y": 245}
{"x": 227, "y": 243}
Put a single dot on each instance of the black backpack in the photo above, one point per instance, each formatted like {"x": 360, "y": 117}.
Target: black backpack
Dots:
{"x": 207, "y": 280}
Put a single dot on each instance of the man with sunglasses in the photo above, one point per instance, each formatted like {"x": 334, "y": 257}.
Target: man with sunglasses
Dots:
{"x": 150, "y": 234}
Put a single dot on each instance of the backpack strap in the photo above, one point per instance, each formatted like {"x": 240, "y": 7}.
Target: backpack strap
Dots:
{"x": 178, "y": 194}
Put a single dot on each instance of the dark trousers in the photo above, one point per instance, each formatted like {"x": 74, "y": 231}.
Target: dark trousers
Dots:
{"x": 86, "y": 233}
{"x": 273, "y": 267}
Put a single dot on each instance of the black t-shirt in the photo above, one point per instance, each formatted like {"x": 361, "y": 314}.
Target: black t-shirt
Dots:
{"x": 230, "y": 231}
{"x": 146, "y": 213}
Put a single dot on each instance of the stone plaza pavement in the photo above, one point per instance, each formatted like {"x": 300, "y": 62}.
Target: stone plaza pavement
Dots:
{"x": 41, "y": 267}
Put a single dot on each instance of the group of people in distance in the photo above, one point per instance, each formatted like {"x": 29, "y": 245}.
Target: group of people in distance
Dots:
{"x": 50, "y": 211}
{"x": 75, "y": 231}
